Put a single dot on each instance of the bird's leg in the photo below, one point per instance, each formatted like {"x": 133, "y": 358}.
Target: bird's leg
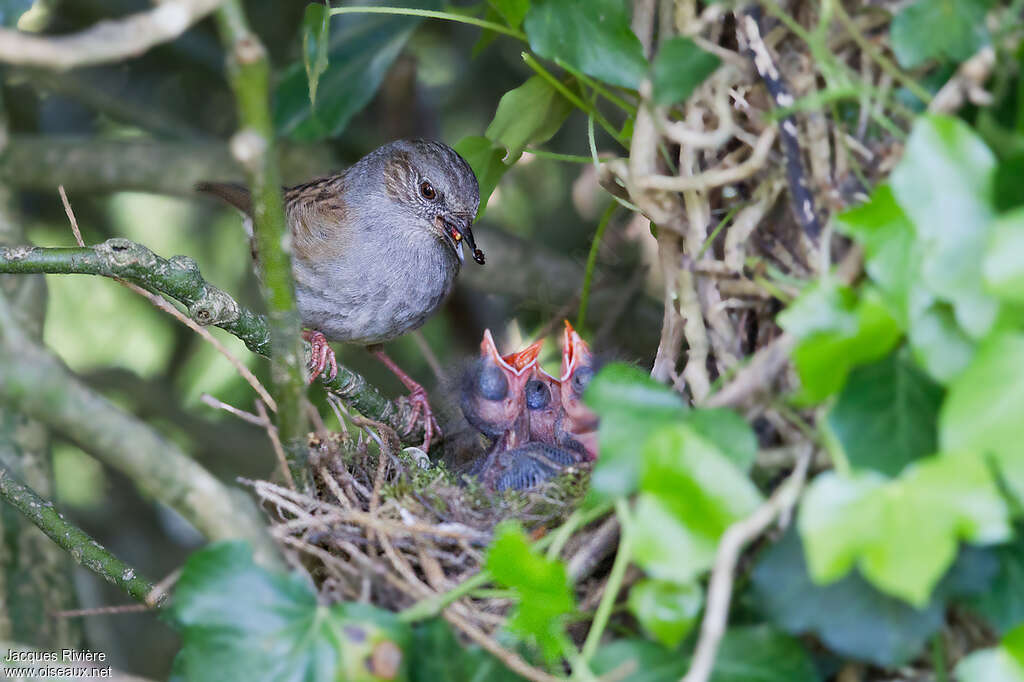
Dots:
{"x": 321, "y": 356}
{"x": 417, "y": 398}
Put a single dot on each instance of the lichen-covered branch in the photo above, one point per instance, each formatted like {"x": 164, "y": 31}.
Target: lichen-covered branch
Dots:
{"x": 253, "y": 146}
{"x": 82, "y": 548}
{"x": 179, "y": 278}
{"x": 107, "y": 41}
{"x": 42, "y": 388}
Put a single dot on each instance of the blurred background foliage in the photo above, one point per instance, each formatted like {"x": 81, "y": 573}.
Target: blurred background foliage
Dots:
{"x": 384, "y": 81}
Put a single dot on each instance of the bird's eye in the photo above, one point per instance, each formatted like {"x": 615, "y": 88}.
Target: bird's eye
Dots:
{"x": 537, "y": 395}
{"x": 492, "y": 383}
{"x": 428, "y": 191}
{"x": 581, "y": 379}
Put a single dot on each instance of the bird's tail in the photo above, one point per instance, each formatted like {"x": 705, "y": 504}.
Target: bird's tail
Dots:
{"x": 229, "y": 192}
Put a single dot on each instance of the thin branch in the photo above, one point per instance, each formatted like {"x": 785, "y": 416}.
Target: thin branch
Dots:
{"x": 254, "y": 147}
{"x": 756, "y": 376}
{"x": 735, "y": 538}
{"x": 107, "y": 41}
{"x": 83, "y": 549}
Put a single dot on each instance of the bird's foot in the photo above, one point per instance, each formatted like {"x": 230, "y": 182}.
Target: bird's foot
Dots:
{"x": 321, "y": 355}
{"x": 417, "y": 399}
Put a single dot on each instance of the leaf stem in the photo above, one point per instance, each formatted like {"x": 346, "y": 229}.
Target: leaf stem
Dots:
{"x": 433, "y": 14}
{"x": 939, "y": 657}
{"x": 588, "y": 275}
{"x": 599, "y": 88}
{"x": 611, "y": 589}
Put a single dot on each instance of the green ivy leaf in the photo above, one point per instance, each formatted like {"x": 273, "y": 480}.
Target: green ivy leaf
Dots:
{"x": 984, "y": 410}
{"x": 513, "y": 11}
{"x": 437, "y": 655}
{"x": 631, "y": 406}
{"x": 850, "y": 616}
{"x": 727, "y": 431}
{"x": 691, "y": 494}
{"x": 666, "y": 610}
{"x": 886, "y": 415}
{"x": 545, "y": 596}
{"x": 944, "y": 185}
{"x": 594, "y": 36}
{"x": 837, "y": 332}
{"x": 757, "y": 652}
{"x": 242, "y": 622}
{"x": 529, "y": 114}
{"x": 486, "y": 161}
{"x": 1003, "y": 267}
{"x": 361, "y": 49}
{"x": 940, "y": 346}
{"x": 1003, "y": 663}
{"x": 903, "y": 533}
{"x": 316, "y": 32}
{"x": 928, "y": 29}
{"x": 679, "y": 68}
{"x": 1002, "y": 604}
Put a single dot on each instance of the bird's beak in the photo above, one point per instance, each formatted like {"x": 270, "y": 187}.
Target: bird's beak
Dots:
{"x": 575, "y": 351}
{"x": 456, "y": 229}
{"x": 516, "y": 363}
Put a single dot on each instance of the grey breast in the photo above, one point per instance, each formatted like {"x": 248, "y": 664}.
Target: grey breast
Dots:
{"x": 375, "y": 291}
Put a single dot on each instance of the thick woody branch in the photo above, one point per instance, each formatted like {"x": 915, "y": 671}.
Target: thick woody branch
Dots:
{"x": 107, "y": 41}
{"x": 43, "y": 389}
{"x": 179, "y": 278}
{"x": 83, "y": 549}
{"x": 253, "y": 146}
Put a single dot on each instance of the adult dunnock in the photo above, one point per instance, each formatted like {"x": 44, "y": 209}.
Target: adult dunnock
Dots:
{"x": 376, "y": 248}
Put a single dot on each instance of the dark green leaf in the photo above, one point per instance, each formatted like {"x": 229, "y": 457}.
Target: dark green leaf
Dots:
{"x": 316, "y": 31}
{"x": 361, "y": 50}
{"x": 438, "y": 656}
{"x": 984, "y": 410}
{"x": 545, "y": 597}
{"x": 593, "y": 36}
{"x": 11, "y": 11}
{"x": 1003, "y": 602}
{"x": 837, "y": 332}
{"x": 530, "y": 114}
{"x": 512, "y": 11}
{"x": 1004, "y": 259}
{"x": 679, "y": 68}
{"x": 887, "y": 415}
{"x": 631, "y": 406}
{"x": 728, "y": 431}
{"x": 666, "y": 610}
{"x": 850, "y": 616}
{"x": 747, "y": 654}
{"x": 928, "y": 29}
{"x": 242, "y": 622}
{"x": 903, "y": 533}
{"x": 1007, "y": 187}
{"x": 485, "y": 158}
{"x": 944, "y": 185}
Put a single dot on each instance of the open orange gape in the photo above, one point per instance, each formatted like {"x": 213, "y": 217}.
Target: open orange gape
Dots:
{"x": 538, "y": 424}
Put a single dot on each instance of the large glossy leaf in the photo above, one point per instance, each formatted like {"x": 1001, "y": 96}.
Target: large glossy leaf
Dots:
{"x": 631, "y": 406}
{"x": 1003, "y": 267}
{"x": 666, "y": 610}
{"x": 837, "y": 332}
{"x": 904, "y": 533}
{"x": 361, "y": 49}
{"x": 887, "y": 415}
{"x": 512, "y": 11}
{"x": 1003, "y": 663}
{"x": 850, "y": 616}
{"x": 594, "y": 36}
{"x": 929, "y": 29}
{"x": 727, "y": 431}
{"x": 542, "y": 585}
{"x": 984, "y": 411}
{"x": 438, "y": 655}
{"x": 529, "y": 114}
{"x": 1003, "y": 603}
{"x": 485, "y": 158}
{"x": 242, "y": 622}
{"x": 679, "y": 67}
{"x": 756, "y": 653}
{"x": 944, "y": 185}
